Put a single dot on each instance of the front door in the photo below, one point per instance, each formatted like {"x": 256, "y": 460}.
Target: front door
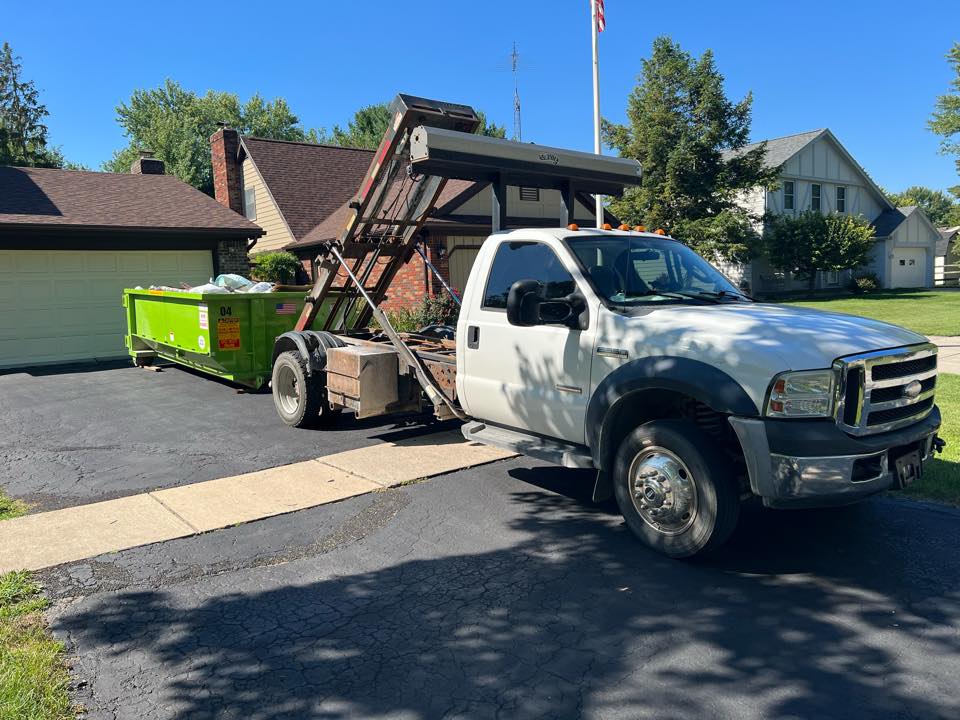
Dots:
{"x": 531, "y": 378}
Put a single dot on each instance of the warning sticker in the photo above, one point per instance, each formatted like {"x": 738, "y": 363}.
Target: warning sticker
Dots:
{"x": 204, "y": 318}
{"x": 228, "y": 333}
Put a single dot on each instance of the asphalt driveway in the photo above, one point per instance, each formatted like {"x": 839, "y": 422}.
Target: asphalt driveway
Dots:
{"x": 502, "y": 591}
{"x": 70, "y": 436}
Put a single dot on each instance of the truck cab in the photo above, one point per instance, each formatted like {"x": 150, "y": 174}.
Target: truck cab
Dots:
{"x": 628, "y": 353}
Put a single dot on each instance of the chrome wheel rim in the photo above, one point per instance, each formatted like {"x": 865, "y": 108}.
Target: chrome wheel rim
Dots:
{"x": 663, "y": 490}
{"x": 286, "y": 389}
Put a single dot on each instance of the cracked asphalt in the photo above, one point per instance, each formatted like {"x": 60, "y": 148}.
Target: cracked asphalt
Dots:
{"x": 501, "y": 591}
{"x": 76, "y": 435}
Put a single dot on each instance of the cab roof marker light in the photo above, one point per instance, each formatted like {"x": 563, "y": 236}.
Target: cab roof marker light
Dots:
{"x": 606, "y": 226}
{"x": 640, "y": 228}
{"x": 573, "y": 226}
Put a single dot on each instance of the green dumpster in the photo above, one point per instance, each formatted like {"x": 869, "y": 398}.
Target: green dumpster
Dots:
{"x": 229, "y": 335}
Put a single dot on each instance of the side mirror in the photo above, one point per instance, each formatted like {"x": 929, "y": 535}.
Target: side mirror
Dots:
{"x": 526, "y": 308}
{"x": 523, "y": 303}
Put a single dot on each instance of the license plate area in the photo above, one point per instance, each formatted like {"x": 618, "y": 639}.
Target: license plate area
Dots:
{"x": 907, "y": 465}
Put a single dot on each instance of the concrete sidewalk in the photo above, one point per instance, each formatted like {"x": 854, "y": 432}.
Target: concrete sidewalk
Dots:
{"x": 948, "y": 358}
{"x": 51, "y": 538}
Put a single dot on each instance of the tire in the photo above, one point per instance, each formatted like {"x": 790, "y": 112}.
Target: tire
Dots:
{"x": 300, "y": 399}
{"x": 689, "y": 502}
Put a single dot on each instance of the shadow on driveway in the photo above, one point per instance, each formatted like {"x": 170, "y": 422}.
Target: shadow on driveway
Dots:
{"x": 558, "y": 612}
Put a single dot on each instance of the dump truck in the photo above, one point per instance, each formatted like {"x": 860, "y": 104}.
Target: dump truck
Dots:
{"x": 620, "y": 351}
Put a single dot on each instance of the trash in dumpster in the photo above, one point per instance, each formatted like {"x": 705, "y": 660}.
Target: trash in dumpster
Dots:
{"x": 233, "y": 282}
{"x": 223, "y": 284}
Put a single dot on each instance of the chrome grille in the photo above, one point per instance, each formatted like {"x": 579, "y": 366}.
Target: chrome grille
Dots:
{"x": 885, "y": 390}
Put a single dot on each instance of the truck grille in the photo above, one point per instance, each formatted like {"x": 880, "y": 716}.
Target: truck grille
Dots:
{"x": 885, "y": 390}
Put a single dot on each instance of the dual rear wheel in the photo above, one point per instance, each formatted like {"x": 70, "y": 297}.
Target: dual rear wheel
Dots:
{"x": 299, "y": 397}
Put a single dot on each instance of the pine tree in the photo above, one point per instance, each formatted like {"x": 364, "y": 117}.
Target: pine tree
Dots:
{"x": 680, "y": 125}
{"x": 23, "y": 134}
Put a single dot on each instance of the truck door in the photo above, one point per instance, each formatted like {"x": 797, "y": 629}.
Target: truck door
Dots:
{"x": 530, "y": 378}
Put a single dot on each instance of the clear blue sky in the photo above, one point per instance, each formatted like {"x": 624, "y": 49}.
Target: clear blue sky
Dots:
{"x": 870, "y": 71}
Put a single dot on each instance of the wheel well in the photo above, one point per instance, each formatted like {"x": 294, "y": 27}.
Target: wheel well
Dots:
{"x": 284, "y": 344}
{"x": 643, "y": 406}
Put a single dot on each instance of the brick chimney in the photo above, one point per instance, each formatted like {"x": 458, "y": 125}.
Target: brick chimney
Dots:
{"x": 147, "y": 164}
{"x": 224, "y": 150}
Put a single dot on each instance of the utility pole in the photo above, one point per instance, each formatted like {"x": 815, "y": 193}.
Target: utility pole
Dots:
{"x": 515, "y": 64}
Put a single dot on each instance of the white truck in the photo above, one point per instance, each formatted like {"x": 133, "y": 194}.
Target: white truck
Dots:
{"x": 625, "y": 352}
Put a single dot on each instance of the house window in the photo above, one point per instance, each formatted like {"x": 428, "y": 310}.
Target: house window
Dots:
{"x": 530, "y": 194}
{"x": 788, "y": 191}
{"x": 815, "y": 197}
{"x": 833, "y": 278}
{"x": 841, "y": 199}
{"x": 250, "y": 203}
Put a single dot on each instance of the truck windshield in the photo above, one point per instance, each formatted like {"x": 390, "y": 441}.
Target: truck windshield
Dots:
{"x": 630, "y": 270}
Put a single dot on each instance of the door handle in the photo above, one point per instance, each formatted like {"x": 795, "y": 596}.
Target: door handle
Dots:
{"x": 473, "y": 336}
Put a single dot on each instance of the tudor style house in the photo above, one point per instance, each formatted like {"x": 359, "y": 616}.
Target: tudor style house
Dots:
{"x": 299, "y": 194}
{"x": 817, "y": 173}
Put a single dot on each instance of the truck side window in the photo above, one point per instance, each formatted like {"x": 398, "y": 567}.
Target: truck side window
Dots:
{"x": 526, "y": 261}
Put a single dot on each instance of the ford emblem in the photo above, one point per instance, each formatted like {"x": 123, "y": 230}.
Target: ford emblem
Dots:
{"x": 912, "y": 389}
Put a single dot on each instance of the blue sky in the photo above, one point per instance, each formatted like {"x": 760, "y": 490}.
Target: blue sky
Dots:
{"x": 868, "y": 70}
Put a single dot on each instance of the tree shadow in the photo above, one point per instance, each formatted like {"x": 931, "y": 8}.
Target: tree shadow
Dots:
{"x": 803, "y": 615}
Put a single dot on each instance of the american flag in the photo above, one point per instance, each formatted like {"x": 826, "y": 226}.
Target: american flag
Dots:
{"x": 601, "y": 20}
{"x": 286, "y": 309}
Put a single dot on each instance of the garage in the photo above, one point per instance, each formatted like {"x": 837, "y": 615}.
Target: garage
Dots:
{"x": 909, "y": 267}
{"x": 70, "y": 242}
{"x": 63, "y": 305}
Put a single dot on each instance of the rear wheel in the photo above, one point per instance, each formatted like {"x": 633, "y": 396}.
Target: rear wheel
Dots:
{"x": 675, "y": 488}
{"x": 299, "y": 398}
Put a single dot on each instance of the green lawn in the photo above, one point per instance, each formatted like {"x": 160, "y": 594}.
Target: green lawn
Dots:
{"x": 10, "y": 508}
{"x": 33, "y": 676}
{"x": 941, "y": 478}
{"x": 929, "y": 312}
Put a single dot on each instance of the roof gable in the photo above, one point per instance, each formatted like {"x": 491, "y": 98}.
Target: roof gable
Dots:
{"x": 783, "y": 149}
{"x": 54, "y": 198}
{"x": 308, "y": 182}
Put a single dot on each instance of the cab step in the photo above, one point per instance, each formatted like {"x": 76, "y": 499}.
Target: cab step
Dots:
{"x": 552, "y": 451}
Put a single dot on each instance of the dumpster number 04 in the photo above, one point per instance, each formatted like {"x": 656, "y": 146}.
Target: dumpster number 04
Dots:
{"x": 225, "y": 310}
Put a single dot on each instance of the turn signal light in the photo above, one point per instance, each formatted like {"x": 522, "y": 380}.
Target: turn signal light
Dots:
{"x": 660, "y": 231}
{"x": 606, "y": 226}
{"x": 573, "y": 226}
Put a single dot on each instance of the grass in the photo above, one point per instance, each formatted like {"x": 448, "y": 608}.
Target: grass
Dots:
{"x": 33, "y": 675}
{"x": 941, "y": 477}
{"x": 10, "y": 508}
{"x": 928, "y": 312}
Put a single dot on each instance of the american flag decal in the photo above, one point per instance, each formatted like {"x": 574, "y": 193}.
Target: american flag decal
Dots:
{"x": 286, "y": 309}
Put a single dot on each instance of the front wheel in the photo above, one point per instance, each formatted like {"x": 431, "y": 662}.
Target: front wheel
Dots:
{"x": 299, "y": 398}
{"x": 675, "y": 488}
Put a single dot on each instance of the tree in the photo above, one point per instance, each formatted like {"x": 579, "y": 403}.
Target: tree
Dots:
{"x": 946, "y": 117}
{"x": 176, "y": 125}
{"x": 941, "y": 209}
{"x": 369, "y": 123}
{"x": 810, "y": 242}
{"x": 689, "y": 139}
{"x": 23, "y": 133}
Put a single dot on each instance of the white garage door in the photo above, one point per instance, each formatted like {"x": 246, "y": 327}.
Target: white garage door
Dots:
{"x": 909, "y": 267}
{"x": 62, "y": 306}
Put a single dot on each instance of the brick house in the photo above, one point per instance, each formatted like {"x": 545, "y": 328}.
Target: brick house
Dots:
{"x": 299, "y": 194}
{"x": 71, "y": 241}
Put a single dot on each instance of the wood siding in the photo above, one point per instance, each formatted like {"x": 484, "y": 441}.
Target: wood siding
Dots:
{"x": 548, "y": 206}
{"x": 268, "y": 214}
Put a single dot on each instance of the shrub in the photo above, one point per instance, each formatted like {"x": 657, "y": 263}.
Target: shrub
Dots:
{"x": 865, "y": 283}
{"x": 436, "y": 310}
{"x": 276, "y": 267}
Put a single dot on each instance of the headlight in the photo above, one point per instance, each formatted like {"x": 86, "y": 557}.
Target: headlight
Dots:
{"x": 801, "y": 394}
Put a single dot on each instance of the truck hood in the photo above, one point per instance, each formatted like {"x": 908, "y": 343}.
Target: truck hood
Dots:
{"x": 801, "y": 338}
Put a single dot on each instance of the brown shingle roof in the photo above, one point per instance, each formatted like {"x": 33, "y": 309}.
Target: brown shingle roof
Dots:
{"x": 330, "y": 228}
{"x": 307, "y": 181}
{"x": 62, "y": 199}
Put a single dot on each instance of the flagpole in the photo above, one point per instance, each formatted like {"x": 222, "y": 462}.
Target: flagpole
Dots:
{"x": 596, "y": 99}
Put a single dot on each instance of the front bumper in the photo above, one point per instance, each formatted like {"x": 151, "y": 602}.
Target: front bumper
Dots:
{"x": 844, "y": 469}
